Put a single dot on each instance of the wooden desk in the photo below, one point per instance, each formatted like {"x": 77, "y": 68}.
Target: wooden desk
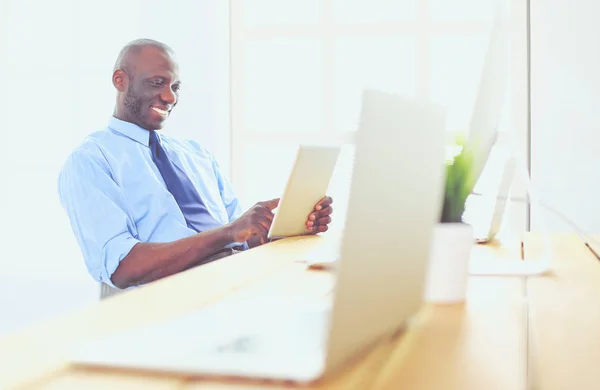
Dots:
{"x": 564, "y": 317}
{"x": 483, "y": 344}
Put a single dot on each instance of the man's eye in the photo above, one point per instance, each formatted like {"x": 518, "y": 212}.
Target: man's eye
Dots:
{"x": 176, "y": 88}
{"x": 156, "y": 83}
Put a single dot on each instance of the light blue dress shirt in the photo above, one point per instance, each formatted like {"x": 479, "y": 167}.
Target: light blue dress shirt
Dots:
{"x": 115, "y": 196}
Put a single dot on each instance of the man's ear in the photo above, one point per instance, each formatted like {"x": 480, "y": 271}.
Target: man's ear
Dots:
{"x": 120, "y": 80}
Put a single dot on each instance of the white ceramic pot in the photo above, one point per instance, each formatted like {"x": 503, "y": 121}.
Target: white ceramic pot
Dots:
{"x": 448, "y": 270}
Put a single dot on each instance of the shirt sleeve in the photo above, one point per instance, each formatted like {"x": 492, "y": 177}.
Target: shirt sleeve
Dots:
{"x": 231, "y": 202}
{"x": 98, "y": 213}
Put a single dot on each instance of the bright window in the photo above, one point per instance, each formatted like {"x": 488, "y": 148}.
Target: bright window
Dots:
{"x": 299, "y": 67}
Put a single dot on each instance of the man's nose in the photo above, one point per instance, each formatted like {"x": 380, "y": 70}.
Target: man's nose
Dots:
{"x": 168, "y": 96}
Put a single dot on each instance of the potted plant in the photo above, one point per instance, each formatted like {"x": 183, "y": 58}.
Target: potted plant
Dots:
{"x": 452, "y": 238}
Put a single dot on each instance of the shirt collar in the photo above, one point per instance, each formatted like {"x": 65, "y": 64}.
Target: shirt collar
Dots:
{"x": 130, "y": 130}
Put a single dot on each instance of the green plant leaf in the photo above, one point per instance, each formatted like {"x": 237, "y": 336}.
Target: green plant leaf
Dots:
{"x": 459, "y": 183}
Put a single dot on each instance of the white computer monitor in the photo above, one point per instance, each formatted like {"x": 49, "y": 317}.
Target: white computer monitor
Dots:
{"x": 491, "y": 95}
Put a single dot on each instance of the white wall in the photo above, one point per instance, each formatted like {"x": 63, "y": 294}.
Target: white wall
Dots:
{"x": 565, "y": 91}
{"x": 56, "y": 64}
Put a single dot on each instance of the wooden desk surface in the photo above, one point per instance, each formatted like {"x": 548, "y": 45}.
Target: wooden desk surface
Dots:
{"x": 564, "y": 317}
{"x": 483, "y": 344}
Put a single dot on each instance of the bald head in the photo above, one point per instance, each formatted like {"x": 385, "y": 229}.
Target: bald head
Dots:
{"x": 146, "y": 77}
{"x": 128, "y": 55}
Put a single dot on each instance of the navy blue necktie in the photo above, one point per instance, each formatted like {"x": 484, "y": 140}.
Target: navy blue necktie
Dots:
{"x": 182, "y": 189}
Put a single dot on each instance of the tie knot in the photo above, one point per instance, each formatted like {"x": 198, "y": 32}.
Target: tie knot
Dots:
{"x": 153, "y": 138}
{"x": 154, "y": 145}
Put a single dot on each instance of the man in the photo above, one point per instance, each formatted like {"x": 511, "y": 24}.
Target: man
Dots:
{"x": 144, "y": 205}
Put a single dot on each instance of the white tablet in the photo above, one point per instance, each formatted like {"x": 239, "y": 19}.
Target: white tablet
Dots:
{"x": 306, "y": 186}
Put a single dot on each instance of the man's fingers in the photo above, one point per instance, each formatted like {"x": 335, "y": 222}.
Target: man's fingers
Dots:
{"x": 325, "y": 212}
{"x": 321, "y": 229}
{"x": 262, "y": 230}
{"x": 266, "y": 226}
{"x": 320, "y": 214}
{"x": 323, "y": 203}
{"x": 263, "y": 237}
{"x": 265, "y": 210}
{"x": 268, "y": 214}
{"x": 321, "y": 221}
{"x": 265, "y": 223}
{"x": 273, "y": 203}
{"x": 314, "y": 226}
{"x": 270, "y": 204}
{"x": 324, "y": 221}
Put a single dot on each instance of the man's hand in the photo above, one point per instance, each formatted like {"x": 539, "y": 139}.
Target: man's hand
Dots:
{"x": 254, "y": 222}
{"x": 320, "y": 218}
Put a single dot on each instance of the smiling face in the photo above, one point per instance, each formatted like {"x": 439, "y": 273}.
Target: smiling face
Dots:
{"x": 148, "y": 88}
